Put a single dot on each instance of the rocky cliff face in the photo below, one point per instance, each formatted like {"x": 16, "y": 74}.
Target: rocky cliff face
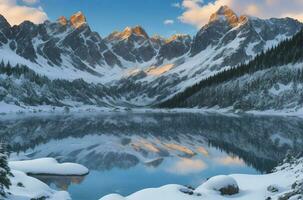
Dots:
{"x": 132, "y": 44}
{"x": 67, "y": 43}
{"x": 176, "y": 46}
{"x": 250, "y": 35}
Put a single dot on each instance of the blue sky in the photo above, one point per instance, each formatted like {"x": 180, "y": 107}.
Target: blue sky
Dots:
{"x": 106, "y": 16}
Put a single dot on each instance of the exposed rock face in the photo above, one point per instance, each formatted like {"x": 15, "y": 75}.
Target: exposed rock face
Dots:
{"x": 225, "y": 13}
{"x": 57, "y": 42}
{"x": 225, "y": 26}
{"x": 77, "y": 20}
{"x": 62, "y": 20}
{"x": 129, "y": 33}
{"x": 5, "y": 30}
{"x": 175, "y": 46}
{"x": 132, "y": 44}
{"x": 23, "y": 35}
{"x": 157, "y": 41}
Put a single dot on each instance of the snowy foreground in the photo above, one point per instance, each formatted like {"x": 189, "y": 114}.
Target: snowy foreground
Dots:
{"x": 285, "y": 183}
{"x": 25, "y": 187}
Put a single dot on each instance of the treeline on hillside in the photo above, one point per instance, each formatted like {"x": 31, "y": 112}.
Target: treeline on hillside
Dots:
{"x": 21, "y": 70}
{"x": 35, "y": 89}
{"x": 287, "y": 52}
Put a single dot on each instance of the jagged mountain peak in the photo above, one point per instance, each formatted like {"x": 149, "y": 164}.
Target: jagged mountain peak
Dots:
{"x": 77, "y": 19}
{"x": 225, "y": 13}
{"x": 83, "y": 54}
{"x": 178, "y": 37}
{"x": 223, "y": 10}
{"x": 157, "y": 37}
{"x": 62, "y": 20}
{"x": 137, "y": 31}
{"x": 4, "y": 28}
{"x": 3, "y": 21}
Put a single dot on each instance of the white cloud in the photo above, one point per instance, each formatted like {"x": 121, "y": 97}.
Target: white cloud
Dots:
{"x": 196, "y": 13}
{"x": 15, "y": 14}
{"x": 169, "y": 22}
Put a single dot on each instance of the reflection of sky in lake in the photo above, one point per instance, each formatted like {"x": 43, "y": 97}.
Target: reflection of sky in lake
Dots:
{"x": 172, "y": 171}
{"x": 128, "y": 152}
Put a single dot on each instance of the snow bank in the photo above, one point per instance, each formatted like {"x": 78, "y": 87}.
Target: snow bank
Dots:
{"x": 48, "y": 166}
{"x": 287, "y": 181}
{"x": 167, "y": 192}
{"x": 25, "y": 188}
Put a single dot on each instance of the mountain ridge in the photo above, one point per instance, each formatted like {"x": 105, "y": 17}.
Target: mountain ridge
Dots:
{"x": 138, "y": 69}
{"x": 259, "y": 76}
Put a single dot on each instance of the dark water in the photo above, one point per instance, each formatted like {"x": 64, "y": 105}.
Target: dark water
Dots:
{"x": 126, "y": 152}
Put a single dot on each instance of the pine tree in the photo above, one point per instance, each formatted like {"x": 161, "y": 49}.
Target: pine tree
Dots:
{"x": 4, "y": 170}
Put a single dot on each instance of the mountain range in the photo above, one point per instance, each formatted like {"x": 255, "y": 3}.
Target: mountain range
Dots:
{"x": 65, "y": 63}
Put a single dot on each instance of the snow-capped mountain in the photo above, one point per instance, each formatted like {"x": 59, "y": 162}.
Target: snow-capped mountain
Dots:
{"x": 226, "y": 41}
{"x": 134, "y": 67}
{"x": 53, "y": 48}
{"x": 132, "y": 44}
{"x": 271, "y": 81}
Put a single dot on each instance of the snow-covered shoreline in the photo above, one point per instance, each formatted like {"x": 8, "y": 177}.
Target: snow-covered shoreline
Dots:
{"x": 48, "y": 166}
{"x": 286, "y": 182}
{"x": 25, "y": 187}
{"x": 16, "y": 111}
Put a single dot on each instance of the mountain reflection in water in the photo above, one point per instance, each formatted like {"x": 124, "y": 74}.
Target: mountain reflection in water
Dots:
{"x": 170, "y": 145}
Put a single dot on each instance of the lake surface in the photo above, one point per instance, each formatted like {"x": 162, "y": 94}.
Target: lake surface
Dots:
{"x": 126, "y": 152}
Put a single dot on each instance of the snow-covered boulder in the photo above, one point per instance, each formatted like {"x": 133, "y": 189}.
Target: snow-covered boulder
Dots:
{"x": 25, "y": 187}
{"x": 48, "y": 166}
{"x": 226, "y": 185}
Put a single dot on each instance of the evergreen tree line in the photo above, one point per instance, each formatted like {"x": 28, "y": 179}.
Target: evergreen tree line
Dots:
{"x": 289, "y": 51}
{"x": 36, "y": 89}
{"x": 5, "y": 172}
{"x": 22, "y": 70}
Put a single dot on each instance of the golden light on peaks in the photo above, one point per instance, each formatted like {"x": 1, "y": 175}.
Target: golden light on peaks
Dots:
{"x": 62, "y": 20}
{"x": 77, "y": 20}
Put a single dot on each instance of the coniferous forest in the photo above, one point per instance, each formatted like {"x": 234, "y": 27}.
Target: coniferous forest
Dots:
{"x": 278, "y": 66}
{"x": 34, "y": 89}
